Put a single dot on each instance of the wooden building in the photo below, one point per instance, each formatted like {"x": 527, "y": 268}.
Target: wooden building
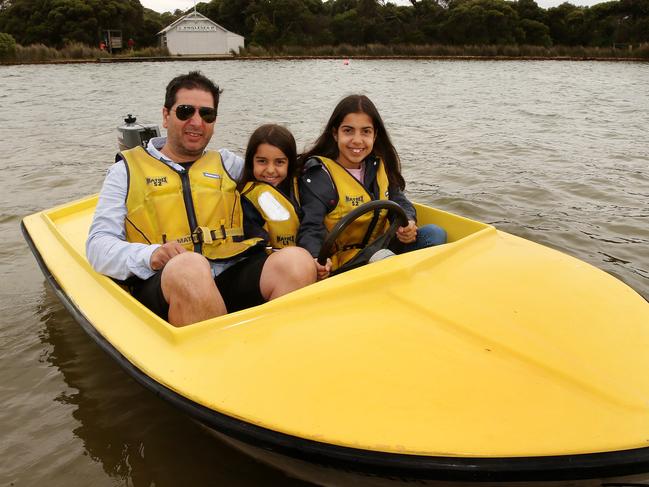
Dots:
{"x": 195, "y": 34}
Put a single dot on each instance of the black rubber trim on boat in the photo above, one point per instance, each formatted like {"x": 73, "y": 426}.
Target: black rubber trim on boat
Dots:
{"x": 374, "y": 464}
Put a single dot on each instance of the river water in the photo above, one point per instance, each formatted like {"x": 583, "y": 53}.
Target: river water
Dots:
{"x": 555, "y": 152}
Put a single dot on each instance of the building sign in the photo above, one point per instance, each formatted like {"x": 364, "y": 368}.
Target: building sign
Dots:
{"x": 197, "y": 28}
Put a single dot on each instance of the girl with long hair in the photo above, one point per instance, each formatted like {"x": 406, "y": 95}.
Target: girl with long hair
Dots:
{"x": 353, "y": 162}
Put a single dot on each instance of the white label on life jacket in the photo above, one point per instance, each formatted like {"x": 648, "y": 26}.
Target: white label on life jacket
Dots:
{"x": 273, "y": 208}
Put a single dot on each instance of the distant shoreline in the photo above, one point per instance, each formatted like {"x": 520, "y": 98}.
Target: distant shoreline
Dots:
{"x": 110, "y": 60}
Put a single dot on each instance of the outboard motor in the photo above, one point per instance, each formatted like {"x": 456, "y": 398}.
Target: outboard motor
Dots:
{"x": 132, "y": 134}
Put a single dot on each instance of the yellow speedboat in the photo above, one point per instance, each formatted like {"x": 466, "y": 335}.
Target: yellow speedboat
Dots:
{"x": 491, "y": 359}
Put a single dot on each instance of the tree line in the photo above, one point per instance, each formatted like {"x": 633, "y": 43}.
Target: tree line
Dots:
{"x": 310, "y": 23}
{"x": 56, "y": 23}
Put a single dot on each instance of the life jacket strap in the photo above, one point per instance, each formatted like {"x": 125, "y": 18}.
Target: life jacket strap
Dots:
{"x": 204, "y": 235}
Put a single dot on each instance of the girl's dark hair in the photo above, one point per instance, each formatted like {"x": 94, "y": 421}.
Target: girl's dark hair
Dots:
{"x": 327, "y": 146}
{"x": 191, "y": 81}
{"x": 279, "y": 137}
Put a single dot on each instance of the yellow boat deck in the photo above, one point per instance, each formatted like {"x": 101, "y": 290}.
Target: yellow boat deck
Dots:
{"x": 489, "y": 346}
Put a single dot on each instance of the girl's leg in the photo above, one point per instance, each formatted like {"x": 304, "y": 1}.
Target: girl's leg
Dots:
{"x": 427, "y": 236}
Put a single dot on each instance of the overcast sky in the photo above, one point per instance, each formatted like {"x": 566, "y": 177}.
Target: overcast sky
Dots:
{"x": 171, "y": 5}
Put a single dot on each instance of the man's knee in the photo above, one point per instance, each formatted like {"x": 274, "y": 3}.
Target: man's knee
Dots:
{"x": 190, "y": 291}
{"x": 184, "y": 272}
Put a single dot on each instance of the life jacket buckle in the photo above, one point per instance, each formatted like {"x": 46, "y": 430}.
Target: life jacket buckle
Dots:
{"x": 202, "y": 235}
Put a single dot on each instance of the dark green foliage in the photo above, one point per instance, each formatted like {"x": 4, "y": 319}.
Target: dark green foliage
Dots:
{"x": 276, "y": 23}
{"x": 59, "y": 22}
{"x": 7, "y": 46}
{"x": 481, "y": 22}
{"x": 350, "y": 24}
{"x": 566, "y": 23}
{"x": 535, "y": 33}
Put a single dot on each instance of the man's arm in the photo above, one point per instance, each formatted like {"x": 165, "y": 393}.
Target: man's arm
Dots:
{"x": 106, "y": 248}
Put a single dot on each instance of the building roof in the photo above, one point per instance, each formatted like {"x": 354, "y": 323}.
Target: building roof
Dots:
{"x": 191, "y": 16}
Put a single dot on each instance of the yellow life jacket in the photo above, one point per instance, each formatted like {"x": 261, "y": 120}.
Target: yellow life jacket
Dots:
{"x": 199, "y": 208}
{"x": 352, "y": 194}
{"x": 279, "y": 212}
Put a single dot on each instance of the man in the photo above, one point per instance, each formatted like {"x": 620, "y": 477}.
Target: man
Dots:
{"x": 169, "y": 221}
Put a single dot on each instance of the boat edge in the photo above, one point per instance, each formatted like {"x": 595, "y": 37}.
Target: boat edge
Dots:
{"x": 602, "y": 465}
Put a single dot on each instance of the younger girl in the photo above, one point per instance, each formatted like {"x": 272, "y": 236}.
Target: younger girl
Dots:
{"x": 351, "y": 163}
{"x": 267, "y": 187}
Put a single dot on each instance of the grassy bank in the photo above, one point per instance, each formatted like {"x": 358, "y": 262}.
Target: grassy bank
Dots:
{"x": 39, "y": 53}
{"x": 432, "y": 50}
{"x": 76, "y": 52}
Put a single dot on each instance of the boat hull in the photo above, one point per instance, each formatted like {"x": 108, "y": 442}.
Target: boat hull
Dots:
{"x": 313, "y": 456}
{"x": 447, "y": 472}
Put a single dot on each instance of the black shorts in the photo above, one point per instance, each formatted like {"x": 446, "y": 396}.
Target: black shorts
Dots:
{"x": 238, "y": 285}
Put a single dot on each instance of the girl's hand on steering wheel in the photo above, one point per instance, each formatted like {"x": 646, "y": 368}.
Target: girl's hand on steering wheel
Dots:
{"x": 407, "y": 234}
{"x": 323, "y": 270}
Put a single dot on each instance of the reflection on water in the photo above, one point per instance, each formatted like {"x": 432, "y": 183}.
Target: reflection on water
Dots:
{"x": 555, "y": 152}
{"x": 134, "y": 436}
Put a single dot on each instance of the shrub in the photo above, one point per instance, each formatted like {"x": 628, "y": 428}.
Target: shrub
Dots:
{"x": 345, "y": 50}
{"x": 253, "y": 50}
{"x": 480, "y": 50}
{"x": 7, "y": 46}
{"x": 149, "y": 52}
{"x": 535, "y": 51}
{"x": 378, "y": 50}
{"x": 36, "y": 53}
{"x": 510, "y": 50}
{"x": 295, "y": 50}
{"x": 642, "y": 51}
{"x": 77, "y": 50}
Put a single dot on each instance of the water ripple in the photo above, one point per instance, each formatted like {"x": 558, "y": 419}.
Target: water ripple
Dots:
{"x": 552, "y": 152}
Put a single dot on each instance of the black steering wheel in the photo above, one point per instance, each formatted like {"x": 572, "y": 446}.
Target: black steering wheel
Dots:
{"x": 395, "y": 213}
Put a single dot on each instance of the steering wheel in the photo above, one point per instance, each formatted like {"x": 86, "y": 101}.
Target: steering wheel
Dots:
{"x": 395, "y": 213}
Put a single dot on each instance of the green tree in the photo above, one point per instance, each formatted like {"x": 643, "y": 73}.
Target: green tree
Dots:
{"x": 536, "y": 33}
{"x": 264, "y": 33}
{"x": 152, "y": 23}
{"x": 618, "y": 22}
{"x": 341, "y": 6}
{"x": 566, "y": 23}
{"x": 344, "y": 27}
{"x": 396, "y": 26}
{"x": 426, "y": 18}
{"x": 57, "y": 22}
{"x": 604, "y": 24}
{"x": 233, "y": 15}
{"x": 7, "y": 46}
{"x": 368, "y": 9}
{"x": 481, "y": 22}
{"x": 275, "y": 23}
{"x": 529, "y": 9}
{"x": 315, "y": 25}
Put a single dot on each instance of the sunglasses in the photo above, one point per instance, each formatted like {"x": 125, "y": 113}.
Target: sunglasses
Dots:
{"x": 185, "y": 112}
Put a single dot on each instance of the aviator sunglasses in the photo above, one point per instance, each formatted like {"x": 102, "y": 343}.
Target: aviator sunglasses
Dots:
{"x": 185, "y": 112}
